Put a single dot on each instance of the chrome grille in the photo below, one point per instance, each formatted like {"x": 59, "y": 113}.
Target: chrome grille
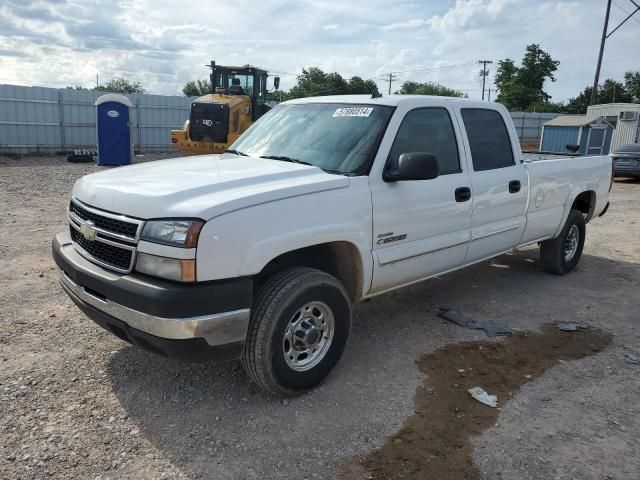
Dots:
{"x": 108, "y": 255}
{"x": 104, "y": 238}
{"x": 121, "y": 227}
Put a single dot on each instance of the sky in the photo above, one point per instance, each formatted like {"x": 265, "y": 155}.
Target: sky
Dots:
{"x": 163, "y": 44}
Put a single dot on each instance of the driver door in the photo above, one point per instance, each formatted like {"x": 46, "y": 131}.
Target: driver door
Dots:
{"x": 422, "y": 227}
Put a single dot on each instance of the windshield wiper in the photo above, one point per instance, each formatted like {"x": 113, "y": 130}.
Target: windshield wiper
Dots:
{"x": 236, "y": 152}
{"x": 286, "y": 159}
{"x": 302, "y": 162}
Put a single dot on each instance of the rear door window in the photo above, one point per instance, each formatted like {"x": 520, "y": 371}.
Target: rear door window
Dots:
{"x": 488, "y": 139}
{"x": 427, "y": 130}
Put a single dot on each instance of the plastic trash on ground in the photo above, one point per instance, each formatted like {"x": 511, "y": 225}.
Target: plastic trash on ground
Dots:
{"x": 568, "y": 326}
{"x": 483, "y": 397}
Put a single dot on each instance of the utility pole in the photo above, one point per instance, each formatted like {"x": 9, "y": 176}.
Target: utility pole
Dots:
{"x": 489, "y": 94}
{"x": 606, "y": 34}
{"x": 392, "y": 77}
{"x": 484, "y": 73}
{"x": 596, "y": 79}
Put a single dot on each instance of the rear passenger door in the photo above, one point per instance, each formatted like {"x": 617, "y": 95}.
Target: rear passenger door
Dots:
{"x": 421, "y": 227}
{"x": 498, "y": 182}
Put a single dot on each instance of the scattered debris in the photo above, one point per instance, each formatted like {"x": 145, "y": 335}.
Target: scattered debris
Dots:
{"x": 568, "y": 327}
{"x": 463, "y": 320}
{"x": 631, "y": 359}
{"x": 82, "y": 156}
{"x": 483, "y": 397}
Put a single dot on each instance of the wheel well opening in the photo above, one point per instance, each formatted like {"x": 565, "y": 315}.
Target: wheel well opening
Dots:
{"x": 586, "y": 203}
{"x": 339, "y": 259}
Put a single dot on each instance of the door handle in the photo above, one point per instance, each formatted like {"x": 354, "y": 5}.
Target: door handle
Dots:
{"x": 463, "y": 194}
{"x": 514, "y": 186}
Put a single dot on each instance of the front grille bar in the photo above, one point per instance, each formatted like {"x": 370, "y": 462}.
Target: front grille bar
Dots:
{"x": 105, "y": 236}
{"x": 121, "y": 218}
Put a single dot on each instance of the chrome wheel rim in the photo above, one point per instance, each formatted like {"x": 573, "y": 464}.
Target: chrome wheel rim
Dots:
{"x": 571, "y": 243}
{"x": 308, "y": 336}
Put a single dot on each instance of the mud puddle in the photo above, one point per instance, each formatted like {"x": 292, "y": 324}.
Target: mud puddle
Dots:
{"x": 435, "y": 442}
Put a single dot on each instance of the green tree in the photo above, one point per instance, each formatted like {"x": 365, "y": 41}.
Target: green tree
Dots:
{"x": 197, "y": 88}
{"x": 120, "y": 85}
{"x": 609, "y": 91}
{"x": 315, "y": 82}
{"x": 521, "y": 88}
{"x": 632, "y": 85}
{"x": 548, "y": 107}
{"x": 428, "y": 88}
{"x": 356, "y": 86}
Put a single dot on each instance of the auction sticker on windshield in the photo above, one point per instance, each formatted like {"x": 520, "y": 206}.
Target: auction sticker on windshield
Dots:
{"x": 353, "y": 112}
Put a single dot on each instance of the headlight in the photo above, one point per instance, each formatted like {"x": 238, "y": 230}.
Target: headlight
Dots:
{"x": 169, "y": 268}
{"x": 177, "y": 233}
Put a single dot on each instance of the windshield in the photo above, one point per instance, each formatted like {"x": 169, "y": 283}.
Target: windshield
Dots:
{"x": 339, "y": 138}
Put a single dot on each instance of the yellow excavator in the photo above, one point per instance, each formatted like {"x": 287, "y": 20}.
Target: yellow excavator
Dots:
{"x": 218, "y": 119}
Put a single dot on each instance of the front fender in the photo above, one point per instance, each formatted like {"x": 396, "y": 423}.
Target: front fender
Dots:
{"x": 241, "y": 243}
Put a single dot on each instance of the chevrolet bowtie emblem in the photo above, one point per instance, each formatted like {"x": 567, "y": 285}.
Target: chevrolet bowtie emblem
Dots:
{"x": 87, "y": 230}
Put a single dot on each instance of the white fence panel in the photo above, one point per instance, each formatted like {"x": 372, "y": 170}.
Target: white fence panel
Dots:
{"x": 49, "y": 120}
{"x": 529, "y": 124}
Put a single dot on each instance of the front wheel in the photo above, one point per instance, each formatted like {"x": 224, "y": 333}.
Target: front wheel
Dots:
{"x": 300, "y": 322}
{"x": 562, "y": 254}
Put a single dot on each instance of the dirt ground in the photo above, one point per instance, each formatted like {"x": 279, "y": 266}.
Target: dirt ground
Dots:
{"x": 434, "y": 443}
{"x": 76, "y": 402}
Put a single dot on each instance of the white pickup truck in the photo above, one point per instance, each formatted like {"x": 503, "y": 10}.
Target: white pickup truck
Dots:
{"x": 259, "y": 253}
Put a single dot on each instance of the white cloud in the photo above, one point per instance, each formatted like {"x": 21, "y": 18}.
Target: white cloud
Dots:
{"x": 163, "y": 44}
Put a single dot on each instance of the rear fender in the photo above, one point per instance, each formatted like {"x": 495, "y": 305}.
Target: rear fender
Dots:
{"x": 585, "y": 187}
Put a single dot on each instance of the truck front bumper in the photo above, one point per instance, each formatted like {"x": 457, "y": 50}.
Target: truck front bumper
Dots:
{"x": 192, "y": 322}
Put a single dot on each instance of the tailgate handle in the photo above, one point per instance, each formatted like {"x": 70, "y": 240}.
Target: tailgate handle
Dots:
{"x": 463, "y": 194}
{"x": 514, "y": 186}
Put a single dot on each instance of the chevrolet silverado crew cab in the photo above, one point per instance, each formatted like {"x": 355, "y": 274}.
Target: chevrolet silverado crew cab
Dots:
{"x": 259, "y": 253}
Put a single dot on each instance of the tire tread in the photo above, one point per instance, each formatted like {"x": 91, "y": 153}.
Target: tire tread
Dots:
{"x": 552, "y": 251}
{"x": 267, "y": 300}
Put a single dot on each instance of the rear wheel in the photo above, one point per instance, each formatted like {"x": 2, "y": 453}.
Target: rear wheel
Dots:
{"x": 300, "y": 322}
{"x": 562, "y": 254}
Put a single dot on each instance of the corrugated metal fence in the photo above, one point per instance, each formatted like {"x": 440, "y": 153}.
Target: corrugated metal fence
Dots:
{"x": 48, "y": 120}
{"x": 529, "y": 124}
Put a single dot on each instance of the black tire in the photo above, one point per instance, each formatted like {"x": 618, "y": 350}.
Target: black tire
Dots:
{"x": 552, "y": 252}
{"x": 277, "y": 303}
{"x": 73, "y": 158}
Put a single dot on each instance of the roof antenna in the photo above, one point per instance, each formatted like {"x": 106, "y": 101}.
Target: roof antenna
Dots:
{"x": 375, "y": 93}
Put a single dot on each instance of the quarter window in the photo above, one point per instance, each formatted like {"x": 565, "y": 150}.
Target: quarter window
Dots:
{"x": 427, "y": 130}
{"x": 488, "y": 139}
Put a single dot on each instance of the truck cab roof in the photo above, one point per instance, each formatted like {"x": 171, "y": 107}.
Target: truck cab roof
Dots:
{"x": 397, "y": 100}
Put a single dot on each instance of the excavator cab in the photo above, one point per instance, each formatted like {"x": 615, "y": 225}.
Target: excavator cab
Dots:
{"x": 216, "y": 120}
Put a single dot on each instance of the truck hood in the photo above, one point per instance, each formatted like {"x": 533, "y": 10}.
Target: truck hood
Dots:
{"x": 204, "y": 186}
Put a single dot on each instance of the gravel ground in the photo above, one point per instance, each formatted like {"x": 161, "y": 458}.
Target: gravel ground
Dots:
{"x": 76, "y": 402}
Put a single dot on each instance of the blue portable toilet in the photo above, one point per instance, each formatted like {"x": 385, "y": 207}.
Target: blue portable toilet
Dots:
{"x": 112, "y": 126}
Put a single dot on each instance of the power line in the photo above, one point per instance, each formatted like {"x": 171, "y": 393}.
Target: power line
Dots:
{"x": 435, "y": 69}
{"x": 484, "y": 73}
{"x": 425, "y": 70}
{"x": 625, "y": 11}
{"x": 606, "y": 34}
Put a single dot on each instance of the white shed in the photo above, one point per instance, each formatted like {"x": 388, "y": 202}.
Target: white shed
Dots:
{"x": 626, "y": 117}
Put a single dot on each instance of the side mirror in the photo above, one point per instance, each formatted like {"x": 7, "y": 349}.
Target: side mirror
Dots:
{"x": 413, "y": 166}
{"x": 572, "y": 147}
{"x": 276, "y": 83}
